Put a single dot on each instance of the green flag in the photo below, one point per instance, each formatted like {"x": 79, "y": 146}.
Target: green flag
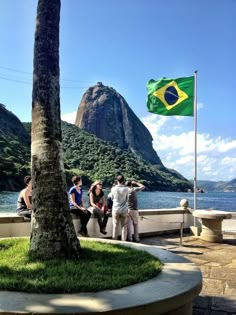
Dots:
{"x": 171, "y": 97}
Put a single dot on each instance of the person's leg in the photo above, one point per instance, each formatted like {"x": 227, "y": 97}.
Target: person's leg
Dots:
{"x": 25, "y": 213}
{"x": 101, "y": 222}
{"x": 84, "y": 218}
{"x": 105, "y": 219}
{"x": 115, "y": 221}
{"x": 87, "y": 217}
{"x": 123, "y": 221}
{"x": 135, "y": 224}
{"x": 98, "y": 216}
{"x": 129, "y": 227}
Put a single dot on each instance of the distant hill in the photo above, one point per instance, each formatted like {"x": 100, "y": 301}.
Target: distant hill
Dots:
{"x": 207, "y": 185}
{"x": 84, "y": 154}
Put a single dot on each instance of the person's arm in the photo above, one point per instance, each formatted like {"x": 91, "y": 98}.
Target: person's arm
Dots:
{"x": 72, "y": 198}
{"x": 26, "y": 195}
{"x": 91, "y": 199}
{"x": 140, "y": 186}
{"x": 103, "y": 203}
{"x": 112, "y": 194}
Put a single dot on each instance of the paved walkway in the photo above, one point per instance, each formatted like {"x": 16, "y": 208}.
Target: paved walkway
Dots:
{"x": 218, "y": 265}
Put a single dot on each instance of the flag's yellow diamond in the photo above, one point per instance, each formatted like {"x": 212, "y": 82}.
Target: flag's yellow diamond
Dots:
{"x": 170, "y": 95}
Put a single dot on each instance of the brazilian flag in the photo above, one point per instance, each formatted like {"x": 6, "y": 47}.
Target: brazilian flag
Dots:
{"x": 171, "y": 97}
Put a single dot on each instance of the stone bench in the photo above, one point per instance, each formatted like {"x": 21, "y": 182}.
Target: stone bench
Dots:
{"x": 212, "y": 224}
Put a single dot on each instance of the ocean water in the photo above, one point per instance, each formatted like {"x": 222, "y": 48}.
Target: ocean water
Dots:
{"x": 153, "y": 200}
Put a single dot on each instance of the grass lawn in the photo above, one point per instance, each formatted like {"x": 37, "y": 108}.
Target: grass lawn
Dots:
{"x": 101, "y": 266}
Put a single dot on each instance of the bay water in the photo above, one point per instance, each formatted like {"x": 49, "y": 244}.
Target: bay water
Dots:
{"x": 225, "y": 201}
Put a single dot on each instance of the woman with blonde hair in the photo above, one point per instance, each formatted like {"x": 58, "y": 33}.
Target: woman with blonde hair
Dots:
{"x": 98, "y": 206}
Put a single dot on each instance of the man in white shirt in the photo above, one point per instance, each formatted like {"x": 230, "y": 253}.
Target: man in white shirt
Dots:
{"x": 119, "y": 196}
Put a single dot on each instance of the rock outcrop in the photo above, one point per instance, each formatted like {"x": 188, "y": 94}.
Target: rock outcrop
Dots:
{"x": 11, "y": 125}
{"x": 105, "y": 113}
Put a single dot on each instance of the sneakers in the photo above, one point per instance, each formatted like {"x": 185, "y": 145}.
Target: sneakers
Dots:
{"x": 103, "y": 231}
{"x": 133, "y": 240}
{"x": 81, "y": 233}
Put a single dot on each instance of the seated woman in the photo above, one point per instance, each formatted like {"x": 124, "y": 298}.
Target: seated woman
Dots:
{"x": 98, "y": 205}
{"x": 76, "y": 204}
{"x": 24, "y": 205}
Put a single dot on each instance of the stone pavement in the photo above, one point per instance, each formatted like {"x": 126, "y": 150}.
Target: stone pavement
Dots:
{"x": 217, "y": 262}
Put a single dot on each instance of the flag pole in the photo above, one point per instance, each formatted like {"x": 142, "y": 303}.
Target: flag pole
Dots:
{"x": 195, "y": 143}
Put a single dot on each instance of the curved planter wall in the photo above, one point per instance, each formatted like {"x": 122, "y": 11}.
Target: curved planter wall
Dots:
{"x": 170, "y": 293}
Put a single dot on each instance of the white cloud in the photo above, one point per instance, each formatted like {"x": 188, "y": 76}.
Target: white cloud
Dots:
{"x": 70, "y": 117}
{"x": 216, "y": 157}
{"x": 227, "y": 146}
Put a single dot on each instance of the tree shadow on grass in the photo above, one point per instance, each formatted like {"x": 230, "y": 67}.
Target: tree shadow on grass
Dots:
{"x": 100, "y": 267}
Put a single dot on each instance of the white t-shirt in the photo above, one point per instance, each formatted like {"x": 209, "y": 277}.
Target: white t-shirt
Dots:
{"x": 119, "y": 196}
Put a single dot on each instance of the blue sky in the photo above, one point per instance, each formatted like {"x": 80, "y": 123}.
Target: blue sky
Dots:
{"x": 125, "y": 43}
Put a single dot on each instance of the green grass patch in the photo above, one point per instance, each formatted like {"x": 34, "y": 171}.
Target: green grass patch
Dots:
{"x": 101, "y": 266}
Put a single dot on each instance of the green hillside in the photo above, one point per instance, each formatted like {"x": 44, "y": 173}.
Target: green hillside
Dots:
{"x": 87, "y": 155}
{"x": 14, "y": 161}
{"x": 94, "y": 158}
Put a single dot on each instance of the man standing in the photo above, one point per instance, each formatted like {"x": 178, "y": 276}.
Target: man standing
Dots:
{"x": 133, "y": 188}
{"x": 119, "y": 196}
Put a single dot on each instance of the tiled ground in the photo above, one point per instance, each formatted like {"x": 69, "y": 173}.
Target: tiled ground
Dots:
{"x": 218, "y": 265}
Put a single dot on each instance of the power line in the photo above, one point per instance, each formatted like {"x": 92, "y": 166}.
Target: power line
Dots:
{"x": 30, "y": 73}
{"x": 14, "y": 80}
{"x": 24, "y": 82}
{"x": 15, "y": 70}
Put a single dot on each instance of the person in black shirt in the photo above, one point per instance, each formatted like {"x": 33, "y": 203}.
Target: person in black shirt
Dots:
{"x": 24, "y": 205}
{"x": 98, "y": 206}
{"x": 133, "y": 188}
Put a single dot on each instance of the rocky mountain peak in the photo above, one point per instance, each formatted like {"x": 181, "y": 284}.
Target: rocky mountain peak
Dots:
{"x": 105, "y": 113}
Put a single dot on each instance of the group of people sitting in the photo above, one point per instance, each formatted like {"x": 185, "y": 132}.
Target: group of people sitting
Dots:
{"x": 121, "y": 202}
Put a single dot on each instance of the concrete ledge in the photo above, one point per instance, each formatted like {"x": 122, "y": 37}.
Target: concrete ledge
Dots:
{"x": 151, "y": 221}
{"x": 170, "y": 293}
{"x": 14, "y": 218}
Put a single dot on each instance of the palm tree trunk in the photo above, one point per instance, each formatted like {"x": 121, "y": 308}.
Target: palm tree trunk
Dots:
{"x": 53, "y": 233}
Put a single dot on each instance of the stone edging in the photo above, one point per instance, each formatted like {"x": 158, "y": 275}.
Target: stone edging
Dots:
{"x": 172, "y": 292}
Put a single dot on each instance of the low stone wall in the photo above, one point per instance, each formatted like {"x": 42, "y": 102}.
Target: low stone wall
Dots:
{"x": 151, "y": 222}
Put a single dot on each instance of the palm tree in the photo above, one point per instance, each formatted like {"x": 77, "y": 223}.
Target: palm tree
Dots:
{"x": 53, "y": 233}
